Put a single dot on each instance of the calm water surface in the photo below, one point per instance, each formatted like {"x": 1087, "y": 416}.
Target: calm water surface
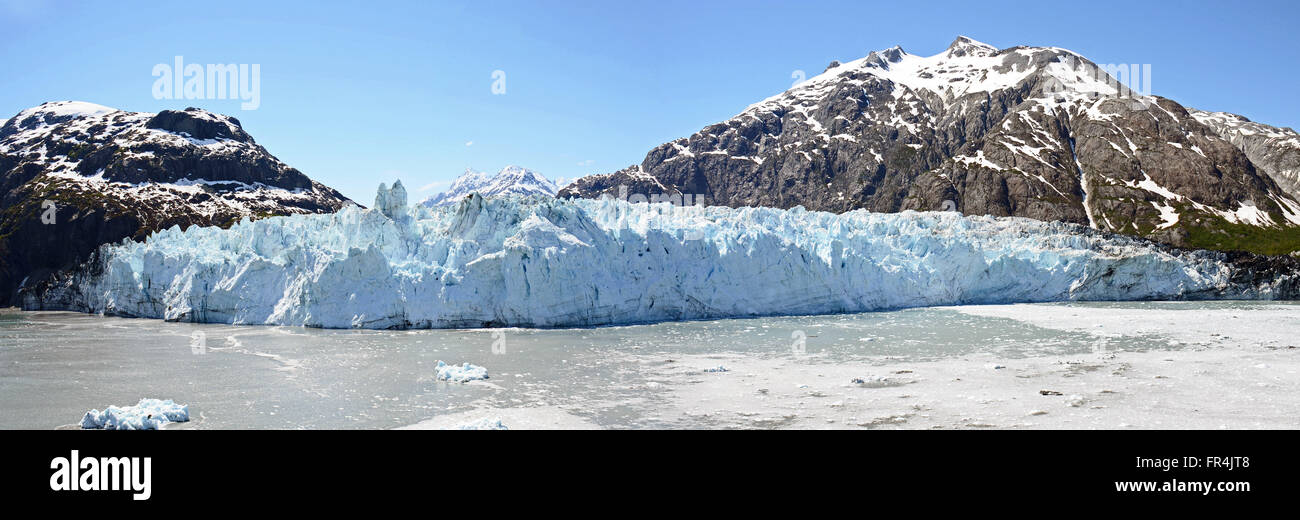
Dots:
{"x": 54, "y": 366}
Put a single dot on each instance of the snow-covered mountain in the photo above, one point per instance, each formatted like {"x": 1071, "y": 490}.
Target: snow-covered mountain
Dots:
{"x": 511, "y": 180}
{"x": 1039, "y": 132}
{"x": 554, "y": 262}
{"x": 109, "y": 174}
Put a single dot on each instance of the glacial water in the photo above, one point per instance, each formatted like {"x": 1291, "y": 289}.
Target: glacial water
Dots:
{"x": 54, "y": 366}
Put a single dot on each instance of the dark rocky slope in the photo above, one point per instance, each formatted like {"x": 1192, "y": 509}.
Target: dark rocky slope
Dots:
{"x": 76, "y": 175}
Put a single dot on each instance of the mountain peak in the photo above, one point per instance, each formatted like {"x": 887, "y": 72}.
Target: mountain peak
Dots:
{"x": 965, "y": 46}
{"x": 72, "y": 108}
{"x": 55, "y": 112}
{"x": 882, "y": 59}
{"x": 511, "y": 180}
{"x": 471, "y": 173}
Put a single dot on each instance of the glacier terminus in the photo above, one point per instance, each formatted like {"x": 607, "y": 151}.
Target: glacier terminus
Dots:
{"x": 544, "y": 262}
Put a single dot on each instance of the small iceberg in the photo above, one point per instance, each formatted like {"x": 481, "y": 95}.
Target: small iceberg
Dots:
{"x": 463, "y": 373}
{"x": 148, "y": 414}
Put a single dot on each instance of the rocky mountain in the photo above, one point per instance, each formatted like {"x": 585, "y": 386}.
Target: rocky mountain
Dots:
{"x": 511, "y": 180}
{"x": 1038, "y": 132}
{"x": 76, "y": 175}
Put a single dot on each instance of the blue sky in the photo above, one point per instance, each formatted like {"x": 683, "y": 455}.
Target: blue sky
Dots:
{"x": 355, "y": 93}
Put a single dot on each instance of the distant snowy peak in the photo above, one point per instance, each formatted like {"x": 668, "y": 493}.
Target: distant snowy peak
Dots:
{"x": 511, "y": 180}
{"x": 469, "y": 179}
{"x": 521, "y": 181}
{"x": 467, "y": 182}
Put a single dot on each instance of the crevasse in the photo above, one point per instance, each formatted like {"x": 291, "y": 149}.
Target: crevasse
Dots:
{"x": 542, "y": 262}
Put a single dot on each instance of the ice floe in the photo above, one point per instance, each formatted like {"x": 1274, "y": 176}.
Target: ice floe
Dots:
{"x": 148, "y": 414}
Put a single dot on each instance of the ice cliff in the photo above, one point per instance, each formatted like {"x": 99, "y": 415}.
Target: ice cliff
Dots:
{"x": 542, "y": 262}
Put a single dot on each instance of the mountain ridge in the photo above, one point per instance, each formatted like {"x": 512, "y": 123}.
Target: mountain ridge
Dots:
{"x": 1039, "y": 132}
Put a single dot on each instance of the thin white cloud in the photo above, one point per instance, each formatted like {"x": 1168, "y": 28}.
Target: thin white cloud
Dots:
{"x": 469, "y": 143}
{"x": 433, "y": 185}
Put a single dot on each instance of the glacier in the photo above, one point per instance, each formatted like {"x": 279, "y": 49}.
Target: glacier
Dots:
{"x": 544, "y": 262}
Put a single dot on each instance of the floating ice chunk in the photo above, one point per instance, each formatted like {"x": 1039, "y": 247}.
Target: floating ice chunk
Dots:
{"x": 148, "y": 414}
{"x": 486, "y": 423}
{"x": 462, "y": 373}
